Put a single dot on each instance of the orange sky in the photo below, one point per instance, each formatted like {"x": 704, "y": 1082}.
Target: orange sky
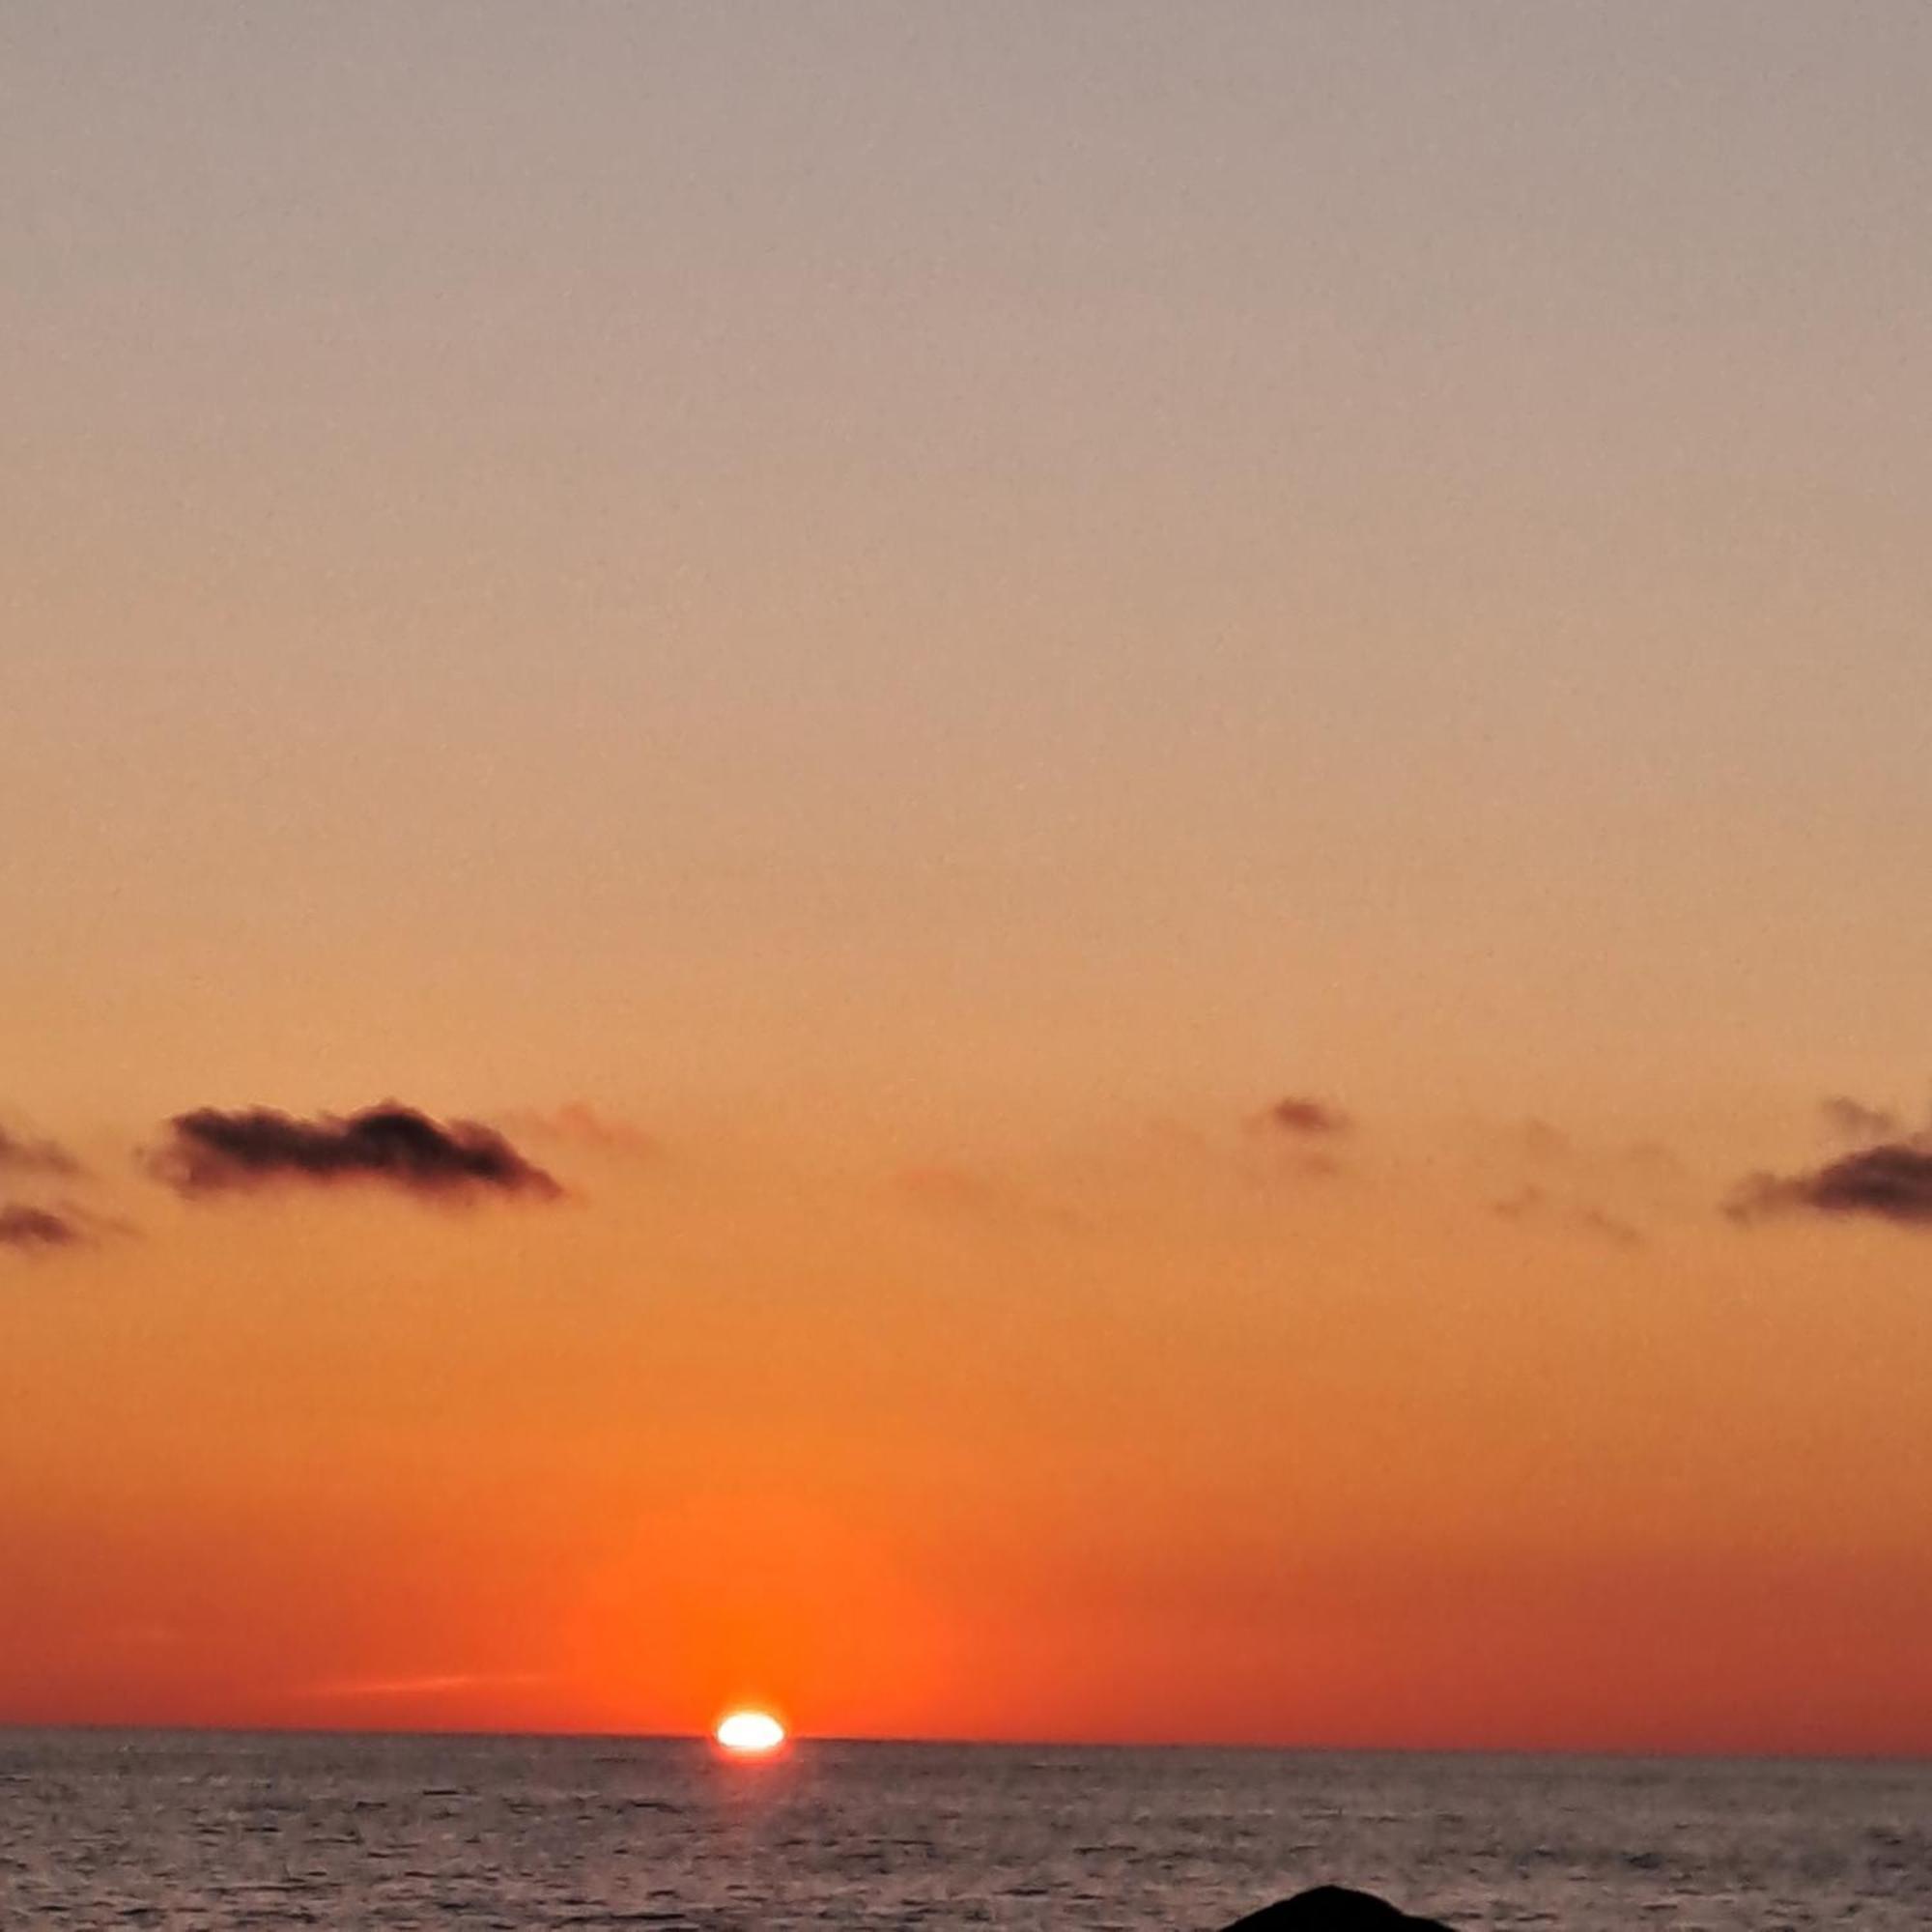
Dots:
{"x": 869, "y": 629}
{"x": 1158, "y": 1434}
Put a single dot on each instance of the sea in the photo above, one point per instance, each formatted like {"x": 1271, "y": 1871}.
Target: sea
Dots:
{"x": 216, "y": 1833}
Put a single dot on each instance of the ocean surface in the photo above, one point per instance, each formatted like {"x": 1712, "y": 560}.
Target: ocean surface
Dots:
{"x": 178, "y": 1831}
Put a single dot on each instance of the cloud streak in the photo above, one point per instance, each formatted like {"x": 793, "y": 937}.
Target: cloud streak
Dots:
{"x": 431, "y": 1683}
{"x": 1305, "y": 1118}
{"x": 211, "y": 1152}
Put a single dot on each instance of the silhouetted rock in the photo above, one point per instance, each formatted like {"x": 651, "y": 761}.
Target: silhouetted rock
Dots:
{"x": 1333, "y": 1908}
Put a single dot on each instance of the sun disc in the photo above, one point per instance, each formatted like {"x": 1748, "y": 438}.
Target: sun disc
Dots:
{"x": 750, "y": 1733}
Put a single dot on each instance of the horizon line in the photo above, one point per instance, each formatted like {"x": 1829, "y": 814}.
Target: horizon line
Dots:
{"x": 1689, "y": 1754}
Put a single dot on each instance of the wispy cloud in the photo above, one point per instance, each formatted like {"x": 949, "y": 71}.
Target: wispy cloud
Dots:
{"x": 21, "y": 1155}
{"x": 39, "y": 1231}
{"x": 960, "y": 1193}
{"x": 1536, "y": 1205}
{"x": 1852, "y": 1120}
{"x": 585, "y": 1126}
{"x": 211, "y": 1152}
{"x": 1302, "y": 1133}
{"x": 1542, "y": 1142}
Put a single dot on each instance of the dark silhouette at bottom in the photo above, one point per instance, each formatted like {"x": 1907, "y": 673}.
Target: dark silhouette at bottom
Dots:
{"x": 1333, "y": 1908}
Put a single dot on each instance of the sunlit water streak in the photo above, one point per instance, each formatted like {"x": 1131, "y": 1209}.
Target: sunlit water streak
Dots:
{"x": 214, "y": 1833}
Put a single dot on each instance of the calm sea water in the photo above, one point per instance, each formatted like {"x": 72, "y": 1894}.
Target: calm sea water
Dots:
{"x": 378, "y": 1834}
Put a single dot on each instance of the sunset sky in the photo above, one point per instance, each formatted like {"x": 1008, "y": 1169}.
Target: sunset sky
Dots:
{"x": 1158, "y": 778}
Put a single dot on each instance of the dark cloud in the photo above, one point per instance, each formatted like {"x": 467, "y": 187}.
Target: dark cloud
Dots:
{"x": 1892, "y": 1182}
{"x": 36, "y": 1230}
{"x": 1852, "y": 1120}
{"x": 1297, "y": 1114}
{"x": 30, "y": 1157}
{"x": 210, "y": 1152}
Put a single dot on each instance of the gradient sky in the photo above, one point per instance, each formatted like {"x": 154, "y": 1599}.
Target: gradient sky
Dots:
{"x": 871, "y": 628}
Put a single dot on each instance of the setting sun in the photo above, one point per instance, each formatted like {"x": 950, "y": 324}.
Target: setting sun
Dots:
{"x": 750, "y": 1733}
{"x": 1042, "y": 883}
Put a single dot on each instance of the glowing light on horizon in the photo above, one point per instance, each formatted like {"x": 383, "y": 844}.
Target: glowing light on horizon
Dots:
{"x": 750, "y": 1733}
